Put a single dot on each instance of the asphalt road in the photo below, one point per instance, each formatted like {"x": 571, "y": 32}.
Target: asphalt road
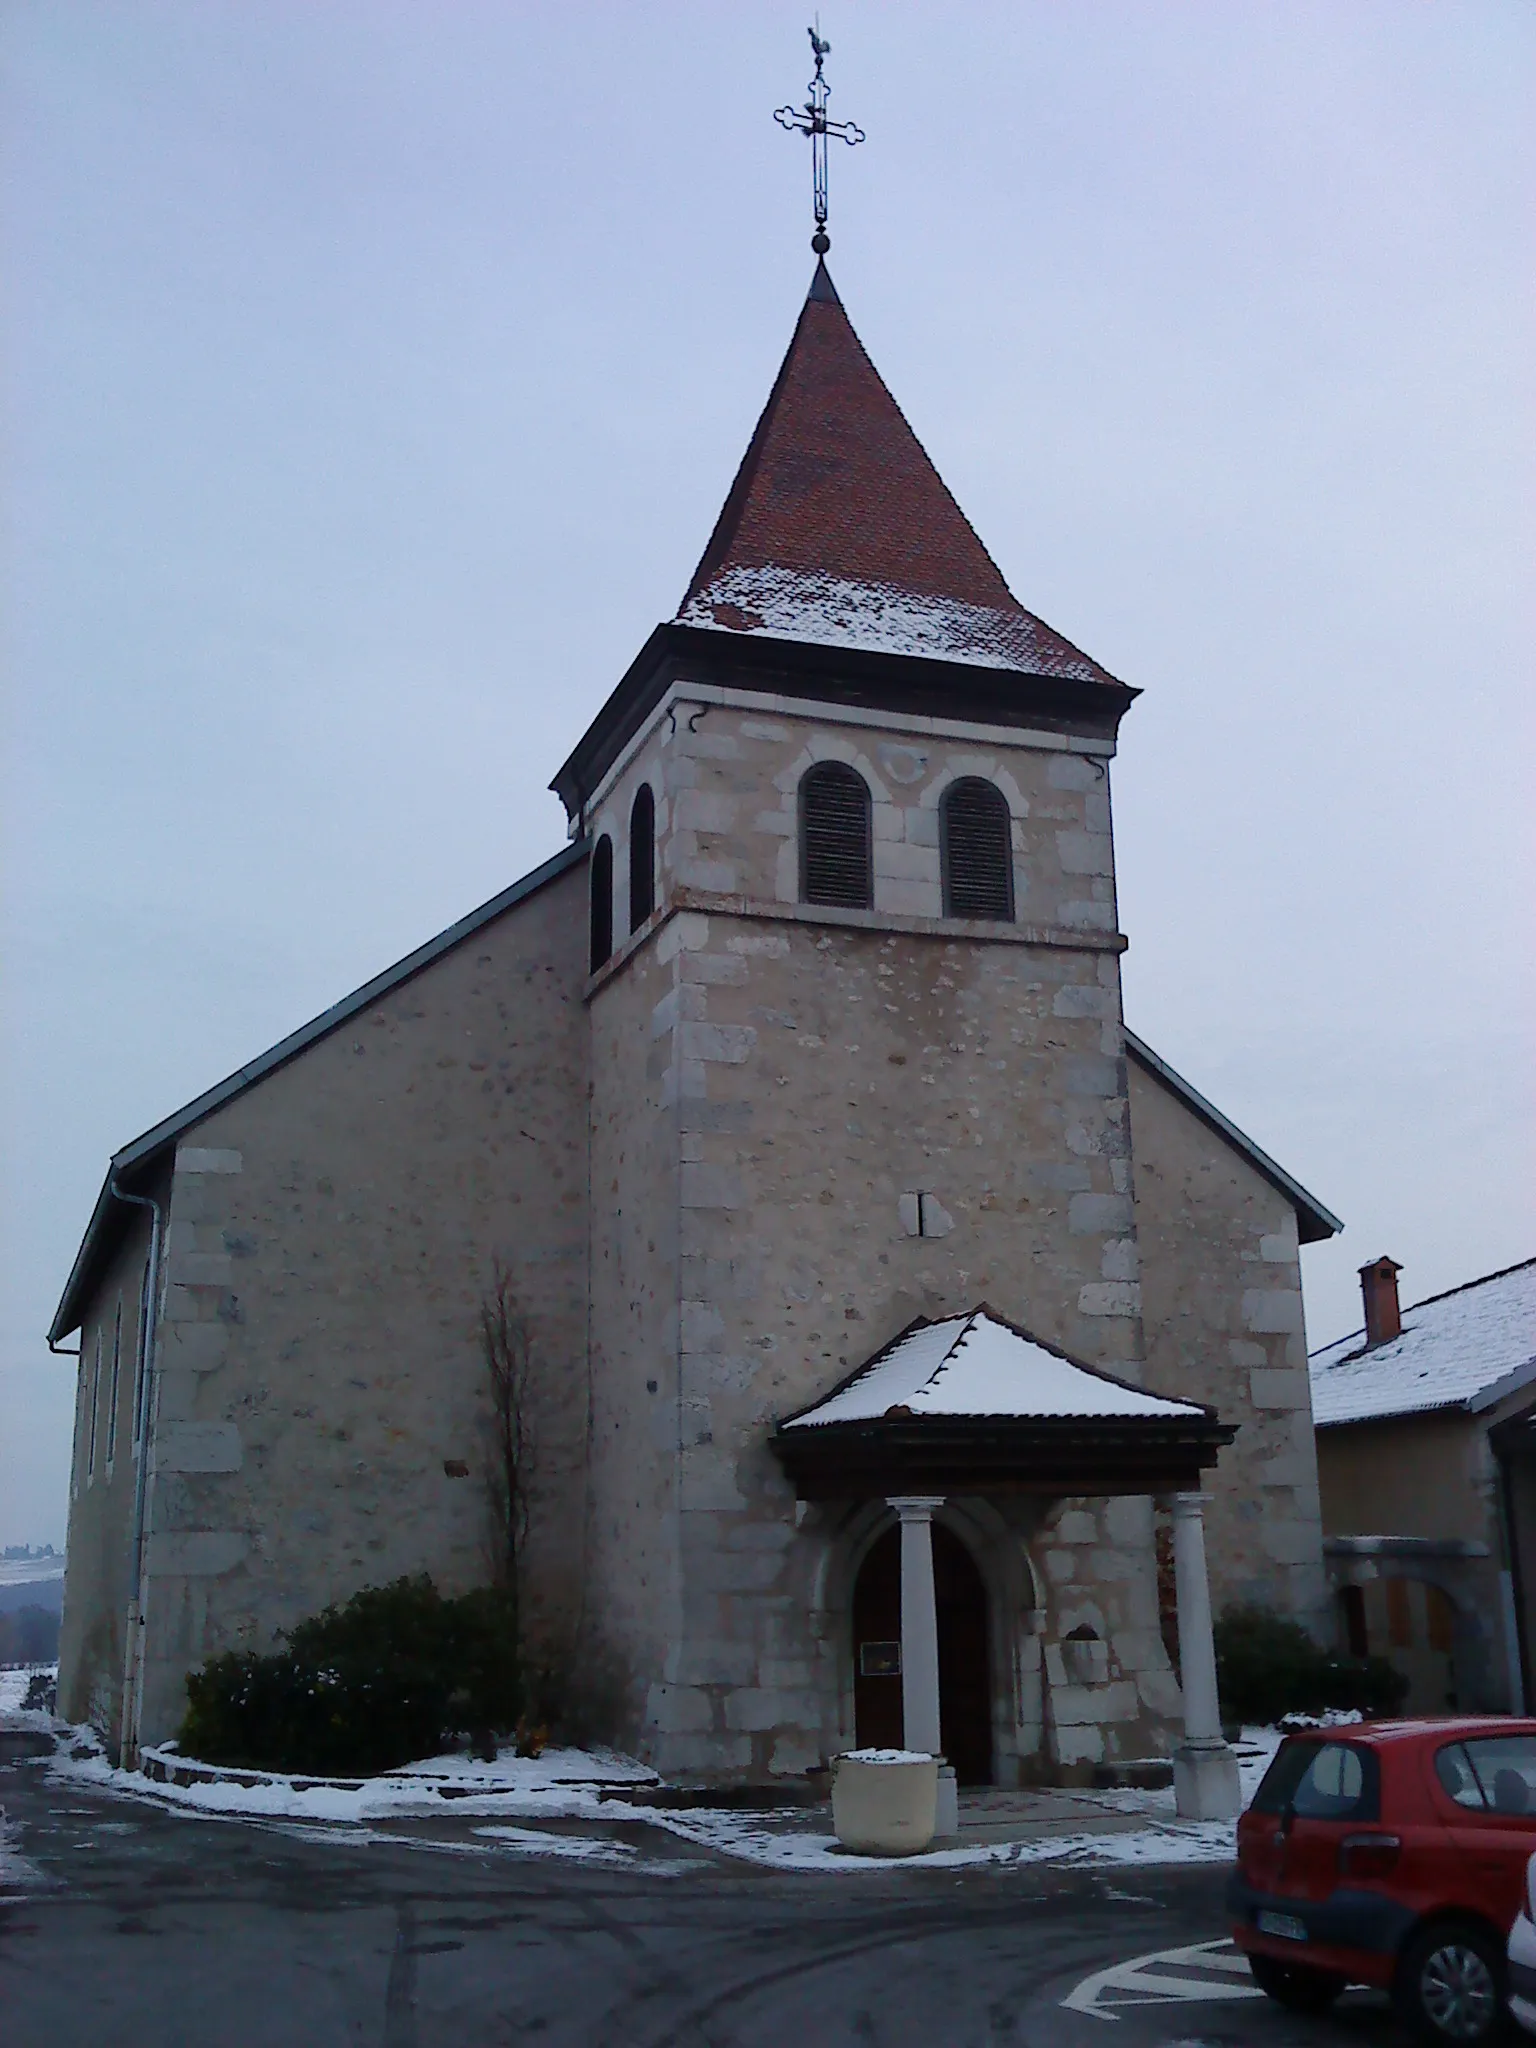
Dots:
{"x": 127, "y": 1924}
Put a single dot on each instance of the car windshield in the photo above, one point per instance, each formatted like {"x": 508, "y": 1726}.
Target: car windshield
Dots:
{"x": 1321, "y": 1781}
{"x": 1494, "y": 1774}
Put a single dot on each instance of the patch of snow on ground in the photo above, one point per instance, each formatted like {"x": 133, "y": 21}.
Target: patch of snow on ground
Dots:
{"x": 564, "y": 1784}
{"x": 887, "y": 1756}
{"x": 13, "y": 1690}
{"x": 561, "y": 1784}
{"x": 534, "y": 1843}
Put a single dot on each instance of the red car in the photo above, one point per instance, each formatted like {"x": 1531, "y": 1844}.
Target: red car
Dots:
{"x": 1390, "y": 1853}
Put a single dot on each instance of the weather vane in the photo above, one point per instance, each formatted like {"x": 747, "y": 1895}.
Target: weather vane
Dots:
{"x": 812, "y": 120}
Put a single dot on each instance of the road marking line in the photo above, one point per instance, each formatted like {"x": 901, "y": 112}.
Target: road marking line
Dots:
{"x": 1139, "y": 1983}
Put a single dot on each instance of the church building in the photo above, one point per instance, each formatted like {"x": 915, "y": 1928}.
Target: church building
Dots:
{"x": 903, "y": 1334}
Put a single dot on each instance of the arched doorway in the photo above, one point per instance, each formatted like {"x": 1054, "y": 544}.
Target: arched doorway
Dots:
{"x": 1412, "y": 1623}
{"x": 965, "y": 1670}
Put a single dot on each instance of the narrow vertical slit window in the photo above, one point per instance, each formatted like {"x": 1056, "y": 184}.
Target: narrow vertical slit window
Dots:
{"x": 976, "y": 846}
{"x": 642, "y": 857}
{"x": 140, "y": 1362}
{"x": 92, "y": 1395}
{"x": 114, "y": 1381}
{"x": 835, "y": 863}
{"x": 601, "y": 883}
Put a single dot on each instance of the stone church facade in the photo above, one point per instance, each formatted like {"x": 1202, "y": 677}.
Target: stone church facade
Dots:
{"x": 812, "y": 1034}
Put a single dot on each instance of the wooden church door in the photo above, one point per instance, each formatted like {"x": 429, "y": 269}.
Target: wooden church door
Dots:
{"x": 965, "y": 1671}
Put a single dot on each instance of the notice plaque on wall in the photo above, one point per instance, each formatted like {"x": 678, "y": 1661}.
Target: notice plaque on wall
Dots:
{"x": 879, "y": 1660}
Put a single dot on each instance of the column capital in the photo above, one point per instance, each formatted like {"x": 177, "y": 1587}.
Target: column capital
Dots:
{"x": 1189, "y": 1507}
{"x": 915, "y": 1507}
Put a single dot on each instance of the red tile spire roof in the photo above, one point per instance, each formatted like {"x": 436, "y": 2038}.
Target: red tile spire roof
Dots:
{"x": 839, "y": 529}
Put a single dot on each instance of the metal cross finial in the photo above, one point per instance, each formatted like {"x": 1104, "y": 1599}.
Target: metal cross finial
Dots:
{"x": 812, "y": 121}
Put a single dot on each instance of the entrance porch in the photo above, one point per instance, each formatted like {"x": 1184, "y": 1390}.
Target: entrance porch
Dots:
{"x": 972, "y": 1424}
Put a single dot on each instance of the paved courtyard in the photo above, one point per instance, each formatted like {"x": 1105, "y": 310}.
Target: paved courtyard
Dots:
{"x": 123, "y": 1922}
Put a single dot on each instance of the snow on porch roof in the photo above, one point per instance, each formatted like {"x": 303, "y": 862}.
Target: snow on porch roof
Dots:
{"x": 977, "y": 1365}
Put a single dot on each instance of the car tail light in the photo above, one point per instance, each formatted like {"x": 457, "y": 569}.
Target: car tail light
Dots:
{"x": 1369, "y": 1855}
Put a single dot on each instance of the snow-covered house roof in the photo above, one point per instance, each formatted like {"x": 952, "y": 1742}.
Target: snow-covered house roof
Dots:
{"x": 977, "y": 1365}
{"x": 1467, "y": 1349}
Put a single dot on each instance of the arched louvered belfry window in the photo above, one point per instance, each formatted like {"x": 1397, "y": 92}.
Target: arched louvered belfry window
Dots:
{"x": 976, "y": 848}
{"x": 835, "y": 836}
{"x": 642, "y": 857}
{"x": 601, "y": 882}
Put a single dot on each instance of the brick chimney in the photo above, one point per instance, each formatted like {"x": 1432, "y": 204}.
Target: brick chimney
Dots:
{"x": 1383, "y": 1316}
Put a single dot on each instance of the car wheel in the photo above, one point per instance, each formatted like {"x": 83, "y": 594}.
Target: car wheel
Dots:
{"x": 1295, "y": 1985}
{"x": 1450, "y": 1986}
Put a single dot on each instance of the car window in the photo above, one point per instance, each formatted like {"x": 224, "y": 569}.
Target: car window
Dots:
{"x": 1505, "y": 1767}
{"x": 1281, "y": 1779}
{"x": 1453, "y": 1767}
{"x": 1321, "y": 1781}
{"x": 1340, "y": 1783}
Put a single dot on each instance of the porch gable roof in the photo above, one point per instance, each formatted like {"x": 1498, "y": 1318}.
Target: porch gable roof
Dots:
{"x": 974, "y": 1404}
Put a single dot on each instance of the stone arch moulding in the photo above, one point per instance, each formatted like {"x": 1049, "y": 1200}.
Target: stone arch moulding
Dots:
{"x": 817, "y": 749}
{"x": 1475, "y": 1647}
{"x": 980, "y": 768}
{"x": 1014, "y": 1598}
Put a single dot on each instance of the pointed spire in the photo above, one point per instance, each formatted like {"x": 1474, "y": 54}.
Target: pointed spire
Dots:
{"x": 823, "y": 291}
{"x": 839, "y": 529}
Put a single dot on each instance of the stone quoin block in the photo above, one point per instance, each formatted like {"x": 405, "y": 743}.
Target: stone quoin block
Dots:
{"x": 1110, "y": 1298}
{"x": 196, "y": 1553}
{"x": 679, "y": 1709}
{"x": 1099, "y": 1215}
{"x": 1272, "y": 1309}
{"x": 1279, "y": 1389}
{"x": 208, "y": 1159}
{"x": 186, "y": 1446}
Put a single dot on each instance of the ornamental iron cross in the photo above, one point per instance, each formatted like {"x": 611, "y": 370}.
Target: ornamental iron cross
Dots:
{"x": 812, "y": 121}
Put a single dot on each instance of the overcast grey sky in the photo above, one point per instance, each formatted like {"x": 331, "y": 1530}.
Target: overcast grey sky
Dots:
{"x": 374, "y": 374}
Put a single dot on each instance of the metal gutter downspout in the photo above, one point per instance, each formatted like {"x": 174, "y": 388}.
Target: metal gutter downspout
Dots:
{"x": 133, "y": 1657}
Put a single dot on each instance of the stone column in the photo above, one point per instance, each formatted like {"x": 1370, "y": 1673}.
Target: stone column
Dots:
{"x": 1204, "y": 1768}
{"x": 920, "y": 1646}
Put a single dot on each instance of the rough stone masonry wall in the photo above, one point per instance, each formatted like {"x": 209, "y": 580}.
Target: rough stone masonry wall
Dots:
{"x": 97, "y": 1576}
{"x": 332, "y": 1233}
{"x": 1222, "y": 1312}
{"x": 824, "y": 1065}
{"x": 637, "y": 1467}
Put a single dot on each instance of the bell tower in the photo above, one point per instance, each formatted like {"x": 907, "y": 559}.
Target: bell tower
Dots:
{"x": 856, "y": 1032}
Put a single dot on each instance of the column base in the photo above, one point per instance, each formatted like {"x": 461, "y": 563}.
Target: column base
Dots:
{"x": 946, "y": 1816}
{"x": 1206, "y": 1785}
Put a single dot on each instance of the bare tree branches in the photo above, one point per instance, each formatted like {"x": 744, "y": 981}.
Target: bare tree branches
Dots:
{"x": 510, "y": 1461}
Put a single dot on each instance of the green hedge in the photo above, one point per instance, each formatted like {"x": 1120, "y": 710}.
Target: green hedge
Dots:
{"x": 381, "y": 1681}
{"x": 1268, "y": 1666}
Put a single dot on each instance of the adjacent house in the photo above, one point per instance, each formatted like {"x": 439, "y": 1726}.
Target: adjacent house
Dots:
{"x": 1426, "y": 1456}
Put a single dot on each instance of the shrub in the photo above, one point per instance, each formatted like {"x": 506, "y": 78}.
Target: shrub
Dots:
{"x": 1268, "y": 1666}
{"x": 363, "y": 1687}
{"x": 42, "y": 1694}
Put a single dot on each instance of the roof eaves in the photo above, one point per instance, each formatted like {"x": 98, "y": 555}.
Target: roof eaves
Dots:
{"x": 1401, "y": 1414}
{"x": 1314, "y": 1222}
{"x": 1500, "y": 1389}
{"x": 143, "y": 1150}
